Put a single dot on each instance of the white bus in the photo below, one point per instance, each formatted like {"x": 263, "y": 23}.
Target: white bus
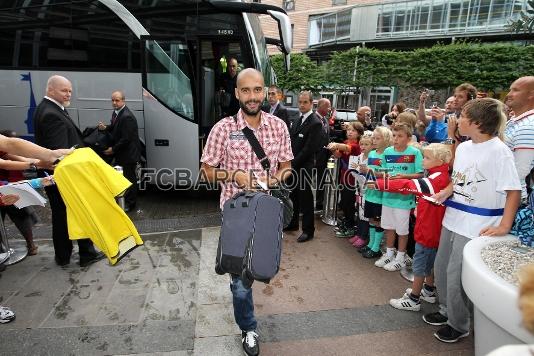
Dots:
{"x": 165, "y": 55}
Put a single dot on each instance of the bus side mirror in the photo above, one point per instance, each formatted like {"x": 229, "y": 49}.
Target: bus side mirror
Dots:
{"x": 284, "y": 29}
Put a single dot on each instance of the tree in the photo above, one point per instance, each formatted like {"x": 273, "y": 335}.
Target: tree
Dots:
{"x": 525, "y": 22}
{"x": 303, "y": 75}
{"x": 487, "y": 66}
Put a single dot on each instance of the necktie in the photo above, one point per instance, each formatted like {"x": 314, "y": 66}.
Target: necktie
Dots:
{"x": 298, "y": 123}
{"x": 66, "y": 113}
{"x": 113, "y": 117}
{"x": 272, "y": 110}
{"x": 325, "y": 125}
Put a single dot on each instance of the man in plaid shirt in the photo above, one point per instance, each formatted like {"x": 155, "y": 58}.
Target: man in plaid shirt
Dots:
{"x": 229, "y": 159}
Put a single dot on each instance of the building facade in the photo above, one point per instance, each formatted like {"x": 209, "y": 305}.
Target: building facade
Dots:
{"x": 301, "y": 12}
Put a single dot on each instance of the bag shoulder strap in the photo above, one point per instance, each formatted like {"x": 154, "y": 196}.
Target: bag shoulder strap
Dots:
{"x": 256, "y": 146}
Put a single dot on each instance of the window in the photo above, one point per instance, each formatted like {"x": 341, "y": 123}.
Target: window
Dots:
{"x": 67, "y": 35}
{"x": 289, "y": 5}
{"x": 168, "y": 75}
{"x": 339, "y": 2}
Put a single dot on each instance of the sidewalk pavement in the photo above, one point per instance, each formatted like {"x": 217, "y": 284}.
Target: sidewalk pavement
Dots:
{"x": 164, "y": 298}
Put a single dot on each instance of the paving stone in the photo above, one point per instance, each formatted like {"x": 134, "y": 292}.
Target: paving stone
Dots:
{"x": 148, "y": 337}
{"x": 171, "y": 299}
{"x": 212, "y": 288}
{"x": 80, "y": 306}
{"x": 215, "y": 320}
{"x": 123, "y": 306}
{"x": 220, "y": 346}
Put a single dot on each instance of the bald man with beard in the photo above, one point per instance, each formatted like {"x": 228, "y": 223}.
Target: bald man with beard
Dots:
{"x": 228, "y": 159}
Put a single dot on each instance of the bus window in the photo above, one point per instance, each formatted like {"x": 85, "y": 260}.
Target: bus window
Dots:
{"x": 55, "y": 35}
{"x": 169, "y": 75}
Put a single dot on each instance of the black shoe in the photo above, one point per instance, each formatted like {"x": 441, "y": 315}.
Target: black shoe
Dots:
{"x": 436, "y": 318}
{"x": 304, "y": 237}
{"x": 251, "y": 345}
{"x": 61, "y": 262}
{"x": 291, "y": 227}
{"x": 363, "y": 249}
{"x": 449, "y": 334}
{"x": 84, "y": 262}
{"x": 372, "y": 254}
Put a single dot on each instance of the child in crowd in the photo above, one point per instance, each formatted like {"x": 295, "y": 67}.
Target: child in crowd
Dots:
{"x": 351, "y": 147}
{"x": 427, "y": 230}
{"x": 420, "y": 129}
{"x": 366, "y": 145}
{"x": 484, "y": 195}
{"x": 409, "y": 119}
{"x": 373, "y": 198}
{"x": 402, "y": 161}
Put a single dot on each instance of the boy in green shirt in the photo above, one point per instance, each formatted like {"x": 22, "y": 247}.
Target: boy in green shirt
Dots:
{"x": 403, "y": 162}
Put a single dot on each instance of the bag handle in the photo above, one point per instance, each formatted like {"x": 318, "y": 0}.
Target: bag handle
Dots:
{"x": 256, "y": 147}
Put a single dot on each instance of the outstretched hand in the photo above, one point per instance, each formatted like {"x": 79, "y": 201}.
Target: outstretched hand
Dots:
{"x": 8, "y": 199}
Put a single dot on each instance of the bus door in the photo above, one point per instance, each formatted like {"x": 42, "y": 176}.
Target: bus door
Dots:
{"x": 171, "y": 127}
{"x": 214, "y": 56}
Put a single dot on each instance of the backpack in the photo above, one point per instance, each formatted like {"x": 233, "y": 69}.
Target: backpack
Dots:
{"x": 523, "y": 226}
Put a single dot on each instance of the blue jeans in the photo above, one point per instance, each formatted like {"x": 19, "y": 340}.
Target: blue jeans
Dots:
{"x": 243, "y": 305}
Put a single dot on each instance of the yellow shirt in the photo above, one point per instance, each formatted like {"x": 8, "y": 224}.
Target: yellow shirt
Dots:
{"x": 88, "y": 186}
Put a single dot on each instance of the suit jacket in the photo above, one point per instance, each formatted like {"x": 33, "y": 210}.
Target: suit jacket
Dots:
{"x": 53, "y": 127}
{"x": 325, "y": 131}
{"x": 280, "y": 112}
{"x": 126, "y": 144}
{"x": 305, "y": 141}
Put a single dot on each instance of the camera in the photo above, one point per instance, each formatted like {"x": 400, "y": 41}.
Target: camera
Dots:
{"x": 429, "y": 92}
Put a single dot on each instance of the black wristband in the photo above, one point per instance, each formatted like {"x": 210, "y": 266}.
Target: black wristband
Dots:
{"x": 32, "y": 167}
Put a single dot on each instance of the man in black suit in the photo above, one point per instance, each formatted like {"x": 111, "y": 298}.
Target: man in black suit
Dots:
{"x": 126, "y": 147}
{"x": 305, "y": 133}
{"x": 54, "y": 129}
{"x": 275, "y": 107}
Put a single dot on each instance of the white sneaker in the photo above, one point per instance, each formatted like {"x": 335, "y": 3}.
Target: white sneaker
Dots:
{"x": 429, "y": 297}
{"x": 384, "y": 260}
{"x": 395, "y": 265}
{"x": 6, "y": 315}
{"x": 250, "y": 340}
{"x": 405, "y": 303}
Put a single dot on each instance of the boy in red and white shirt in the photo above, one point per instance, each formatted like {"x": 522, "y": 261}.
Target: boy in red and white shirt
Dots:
{"x": 436, "y": 158}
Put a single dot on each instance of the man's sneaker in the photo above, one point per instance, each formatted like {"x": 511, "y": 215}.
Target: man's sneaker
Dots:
{"x": 435, "y": 318}
{"x": 6, "y": 315}
{"x": 405, "y": 303}
{"x": 395, "y": 265}
{"x": 429, "y": 297}
{"x": 449, "y": 334}
{"x": 250, "y": 343}
{"x": 384, "y": 260}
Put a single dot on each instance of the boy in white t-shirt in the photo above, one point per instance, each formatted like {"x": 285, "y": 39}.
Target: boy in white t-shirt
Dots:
{"x": 484, "y": 195}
